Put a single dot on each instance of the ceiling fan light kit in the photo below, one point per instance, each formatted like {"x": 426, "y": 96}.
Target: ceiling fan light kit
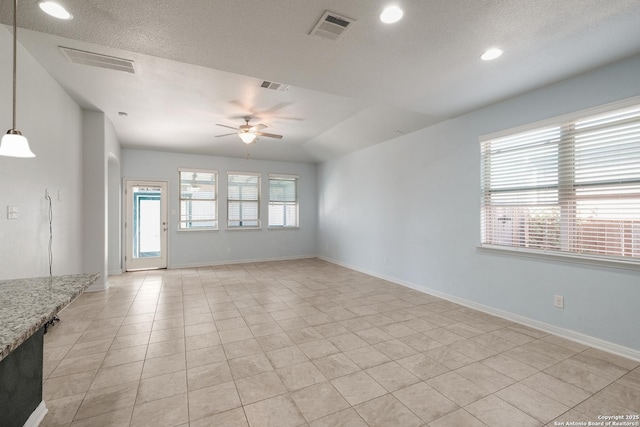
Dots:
{"x": 247, "y": 137}
{"x": 248, "y": 133}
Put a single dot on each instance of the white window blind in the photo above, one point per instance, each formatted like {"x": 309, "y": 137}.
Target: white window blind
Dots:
{"x": 283, "y": 201}
{"x": 198, "y": 200}
{"x": 243, "y": 200}
{"x": 572, "y": 187}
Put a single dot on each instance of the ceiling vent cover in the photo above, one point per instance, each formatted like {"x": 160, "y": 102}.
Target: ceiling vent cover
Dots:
{"x": 275, "y": 86}
{"x": 98, "y": 60}
{"x": 331, "y": 26}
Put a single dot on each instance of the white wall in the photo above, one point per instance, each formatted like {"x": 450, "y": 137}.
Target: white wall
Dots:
{"x": 114, "y": 209}
{"x": 409, "y": 210}
{"x": 113, "y": 157}
{"x": 196, "y": 248}
{"x": 101, "y": 166}
{"x": 52, "y": 122}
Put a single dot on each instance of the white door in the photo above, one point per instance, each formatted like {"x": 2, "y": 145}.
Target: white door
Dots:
{"x": 146, "y": 225}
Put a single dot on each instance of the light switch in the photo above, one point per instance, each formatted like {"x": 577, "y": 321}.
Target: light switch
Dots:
{"x": 12, "y": 212}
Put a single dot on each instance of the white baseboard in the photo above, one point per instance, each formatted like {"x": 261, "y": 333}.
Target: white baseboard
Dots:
{"x": 581, "y": 338}
{"x": 37, "y": 415}
{"x": 240, "y": 261}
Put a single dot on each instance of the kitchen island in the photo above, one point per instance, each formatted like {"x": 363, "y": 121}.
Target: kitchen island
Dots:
{"x": 26, "y": 305}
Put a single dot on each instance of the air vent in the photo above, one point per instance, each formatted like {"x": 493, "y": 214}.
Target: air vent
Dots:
{"x": 98, "y": 60}
{"x": 274, "y": 86}
{"x": 331, "y": 26}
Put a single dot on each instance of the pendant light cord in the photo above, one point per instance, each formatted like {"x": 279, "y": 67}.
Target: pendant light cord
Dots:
{"x": 50, "y": 237}
{"x": 15, "y": 55}
{"x": 51, "y": 322}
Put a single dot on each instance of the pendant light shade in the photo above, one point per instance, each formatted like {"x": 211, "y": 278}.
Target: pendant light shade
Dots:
{"x": 14, "y": 144}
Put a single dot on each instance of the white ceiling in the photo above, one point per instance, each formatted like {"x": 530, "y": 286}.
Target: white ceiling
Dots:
{"x": 201, "y": 62}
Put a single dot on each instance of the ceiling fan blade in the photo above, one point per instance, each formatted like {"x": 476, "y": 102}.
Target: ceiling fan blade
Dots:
{"x": 251, "y": 116}
{"x": 243, "y": 107}
{"x": 225, "y": 126}
{"x": 269, "y": 135}
{"x": 276, "y": 108}
{"x": 226, "y": 134}
{"x": 299, "y": 119}
{"x": 257, "y": 127}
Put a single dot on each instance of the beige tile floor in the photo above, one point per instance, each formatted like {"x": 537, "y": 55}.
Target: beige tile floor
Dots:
{"x": 309, "y": 343}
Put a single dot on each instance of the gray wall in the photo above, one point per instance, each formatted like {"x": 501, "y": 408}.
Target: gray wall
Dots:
{"x": 52, "y": 122}
{"x": 196, "y": 248}
{"x": 409, "y": 210}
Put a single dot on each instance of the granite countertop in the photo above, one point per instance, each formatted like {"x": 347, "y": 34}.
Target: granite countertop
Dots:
{"x": 27, "y": 304}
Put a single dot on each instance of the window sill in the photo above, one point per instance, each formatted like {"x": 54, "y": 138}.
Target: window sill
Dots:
{"x": 243, "y": 228}
{"x": 195, "y": 230}
{"x": 590, "y": 260}
{"x": 283, "y": 228}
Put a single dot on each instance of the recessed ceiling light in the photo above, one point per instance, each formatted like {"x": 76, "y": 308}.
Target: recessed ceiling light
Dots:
{"x": 491, "y": 54}
{"x": 391, "y": 14}
{"x": 54, "y": 9}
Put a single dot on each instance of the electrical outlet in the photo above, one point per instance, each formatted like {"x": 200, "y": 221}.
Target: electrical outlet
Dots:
{"x": 228, "y": 250}
{"x": 12, "y": 212}
{"x": 558, "y": 301}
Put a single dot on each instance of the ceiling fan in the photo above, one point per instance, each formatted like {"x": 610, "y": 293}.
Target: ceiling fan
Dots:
{"x": 249, "y": 133}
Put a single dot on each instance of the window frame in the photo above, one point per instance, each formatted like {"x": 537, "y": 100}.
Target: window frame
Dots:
{"x": 258, "y": 201}
{"x": 567, "y": 188}
{"x": 296, "y": 203}
{"x": 215, "y": 219}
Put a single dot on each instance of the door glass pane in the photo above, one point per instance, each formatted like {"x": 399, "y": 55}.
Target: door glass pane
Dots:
{"x": 146, "y": 222}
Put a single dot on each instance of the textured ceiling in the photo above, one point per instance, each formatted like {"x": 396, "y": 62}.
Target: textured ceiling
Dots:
{"x": 201, "y": 62}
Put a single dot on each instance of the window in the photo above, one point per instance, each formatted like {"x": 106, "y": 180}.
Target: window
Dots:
{"x": 243, "y": 200}
{"x": 198, "y": 200}
{"x": 283, "y": 201}
{"x": 570, "y": 187}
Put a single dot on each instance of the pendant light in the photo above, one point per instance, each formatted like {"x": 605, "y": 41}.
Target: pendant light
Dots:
{"x": 14, "y": 144}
